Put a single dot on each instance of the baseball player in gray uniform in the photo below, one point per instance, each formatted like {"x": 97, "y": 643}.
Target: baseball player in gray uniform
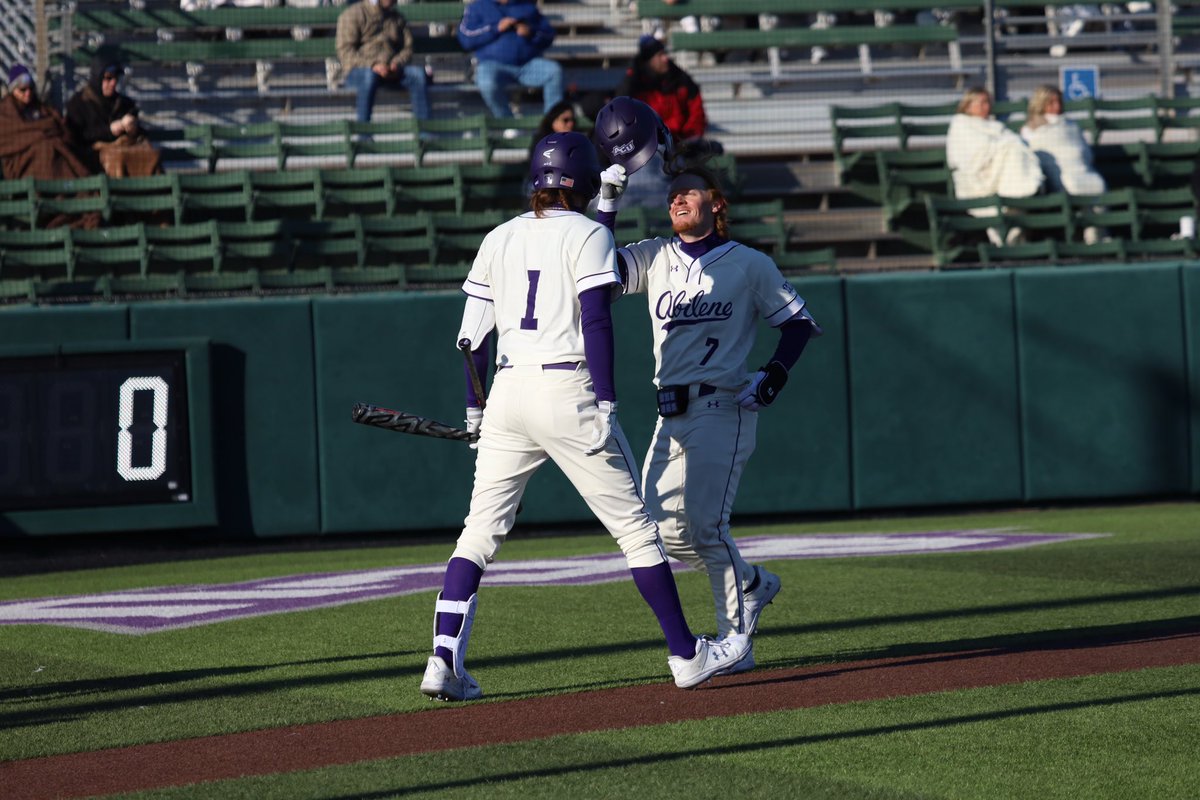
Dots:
{"x": 544, "y": 281}
{"x": 706, "y": 294}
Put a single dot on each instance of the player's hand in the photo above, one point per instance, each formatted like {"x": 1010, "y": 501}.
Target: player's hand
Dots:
{"x": 612, "y": 186}
{"x": 602, "y": 426}
{"x": 764, "y": 387}
{"x": 474, "y": 422}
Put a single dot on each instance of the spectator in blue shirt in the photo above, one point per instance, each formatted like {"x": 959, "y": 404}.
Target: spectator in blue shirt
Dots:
{"x": 508, "y": 38}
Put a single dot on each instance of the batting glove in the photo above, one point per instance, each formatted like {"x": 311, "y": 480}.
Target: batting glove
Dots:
{"x": 612, "y": 186}
{"x": 602, "y": 426}
{"x": 474, "y": 422}
{"x": 764, "y": 387}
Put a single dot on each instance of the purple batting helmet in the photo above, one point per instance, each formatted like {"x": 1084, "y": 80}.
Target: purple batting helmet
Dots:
{"x": 629, "y": 132}
{"x": 566, "y": 161}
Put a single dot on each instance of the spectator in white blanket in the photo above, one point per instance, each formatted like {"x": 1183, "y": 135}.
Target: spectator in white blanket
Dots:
{"x": 1065, "y": 155}
{"x": 986, "y": 158}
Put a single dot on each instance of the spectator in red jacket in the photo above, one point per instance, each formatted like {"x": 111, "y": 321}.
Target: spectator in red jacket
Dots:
{"x": 658, "y": 82}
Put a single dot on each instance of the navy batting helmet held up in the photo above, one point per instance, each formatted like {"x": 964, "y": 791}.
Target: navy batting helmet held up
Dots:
{"x": 566, "y": 161}
{"x": 628, "y": 132}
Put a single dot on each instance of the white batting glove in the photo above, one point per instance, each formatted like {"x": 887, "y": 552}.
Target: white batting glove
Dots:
{"x": 474, "y": 422}
{"x": 602, "y": 426}
{"x": 612, "y": 186}
{"x": 764, "y": 387}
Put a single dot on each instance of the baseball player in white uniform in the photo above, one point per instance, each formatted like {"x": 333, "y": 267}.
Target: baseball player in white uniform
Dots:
{"x": 544, "y": 280}
{"x": 706, "y": 294}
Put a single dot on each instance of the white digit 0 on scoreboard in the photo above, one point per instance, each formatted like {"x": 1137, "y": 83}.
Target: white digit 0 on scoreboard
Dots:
{"x": 158, "y": 441}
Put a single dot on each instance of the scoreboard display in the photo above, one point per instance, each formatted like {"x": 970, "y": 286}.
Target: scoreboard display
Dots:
{"x": 106, "y": 438}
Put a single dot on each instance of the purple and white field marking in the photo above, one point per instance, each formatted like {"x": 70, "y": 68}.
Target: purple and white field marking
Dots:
{"x": 141, "y": 611}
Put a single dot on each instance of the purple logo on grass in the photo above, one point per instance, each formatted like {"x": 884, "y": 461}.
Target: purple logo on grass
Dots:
{"x": 141, "y": 611}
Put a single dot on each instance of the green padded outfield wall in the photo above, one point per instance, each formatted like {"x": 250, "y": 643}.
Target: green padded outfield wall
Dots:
{"x": 1104, "y": 391}
{"x": 802, "y": 458}
{"x": 399, "y": 351}
{"x": 24, "y": 325}
{"x": 927, "y": 389}
{"x": 1191, "y": 319}
{"x": 264, "y": 421}
{"x": 933, "y": 392}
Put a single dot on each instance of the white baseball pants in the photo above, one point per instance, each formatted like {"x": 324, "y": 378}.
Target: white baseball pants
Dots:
{"x": 532, "y": 414}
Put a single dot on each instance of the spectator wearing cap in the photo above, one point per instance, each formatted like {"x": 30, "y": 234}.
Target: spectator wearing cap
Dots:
{"x": 36, "y": 143}
{"x": 375, "y": 45}
{"x": 660, "y": 83}
{"x": 105, "y": 127}
{"x": 508, "y": 39}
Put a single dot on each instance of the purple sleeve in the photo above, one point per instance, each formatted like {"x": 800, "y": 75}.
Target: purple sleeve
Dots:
{"x": 608, "y": 219}
{"x": 481, "y": 357}
{"x": 793, "y": 335}
{"x": 596, "y": 316}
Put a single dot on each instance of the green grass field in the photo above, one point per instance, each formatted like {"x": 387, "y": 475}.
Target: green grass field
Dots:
{"x": 1122, "y": 735}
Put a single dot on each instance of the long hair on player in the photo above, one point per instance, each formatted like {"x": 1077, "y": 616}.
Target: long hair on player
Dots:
{"x": 693, "y": 161}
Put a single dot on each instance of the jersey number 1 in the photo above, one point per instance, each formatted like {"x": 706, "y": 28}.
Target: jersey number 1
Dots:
{"x": 529, "y": 321}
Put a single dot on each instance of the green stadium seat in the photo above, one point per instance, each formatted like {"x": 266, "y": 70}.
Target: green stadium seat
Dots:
{"x": 459, "y": 237}
{"x": 760, "y": 224}
{"x": 151, "y": 198}
{"x": 1167, "y": 164}
{"x": 364, "y": 191}
{"x": 403, "y": 239}
{"x": 191, "y": 248}
{"x": 1044, "y": 215}
{"x": 71, "y": 197}
{"x": 326, "y": 243}
{"x": 486, "y": 186}
{"x": 905, "y": 176}
{"x": 258, "y": 142}
{"x": 286, "y": 194}
{"x": 794, "y": 261}
{"x": 315, "y": 139}
{"x": 119, "y": 250}
{"x": 18, "y": 204}
{"x": 394, "y": 276}
{"x": 397, "y": 137}
{"x": 1159, "y": 211}
{"x": 457, "y": 135}
{"x": 45, "y": 255}
{"x": 429, "y": 188}
{"x": 513, "y": 133}
{"x": 953, "y": 230}
{"x": 247, "y": 246}
{"x": 1030, "y": 252}
{"x": 223, "y": 195}
{"x": 1114, "y": 213}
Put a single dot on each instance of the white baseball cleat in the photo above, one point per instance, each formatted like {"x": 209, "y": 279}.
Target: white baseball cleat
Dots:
{"x": 712, "y": 658}
{"x": 745, "y": 665}
{"x": 440, "y": 682}
{"x": 753, "y": 602}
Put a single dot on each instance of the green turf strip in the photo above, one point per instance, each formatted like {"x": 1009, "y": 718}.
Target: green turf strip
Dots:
{"x": 65, "y": 690}
{"x": 1129, "y": 735}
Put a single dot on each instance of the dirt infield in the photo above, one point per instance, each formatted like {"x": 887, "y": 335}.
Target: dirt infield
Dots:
{"x": 348, "y": 741}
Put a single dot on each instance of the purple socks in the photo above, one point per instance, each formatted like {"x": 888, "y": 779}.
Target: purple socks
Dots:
{"x": 461, "y": 581}
{"x": 657, "y": 586}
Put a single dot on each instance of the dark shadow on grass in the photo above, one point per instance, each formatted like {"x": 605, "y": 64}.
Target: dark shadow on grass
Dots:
{"x": 770, "y": 744}
{"x": 961, "y": 649}
{"x": 125, "y": 683}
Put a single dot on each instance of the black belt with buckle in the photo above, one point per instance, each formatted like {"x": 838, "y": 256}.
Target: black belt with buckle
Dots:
{"x": 673, "y": 400}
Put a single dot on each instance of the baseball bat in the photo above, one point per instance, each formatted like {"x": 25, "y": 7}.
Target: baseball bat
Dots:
{"x": 464, "y": 345}
{"x": 403, "y": 422}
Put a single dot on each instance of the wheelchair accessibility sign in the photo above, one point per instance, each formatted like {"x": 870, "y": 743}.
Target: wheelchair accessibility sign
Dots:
{"x": 1079, "y": 83}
